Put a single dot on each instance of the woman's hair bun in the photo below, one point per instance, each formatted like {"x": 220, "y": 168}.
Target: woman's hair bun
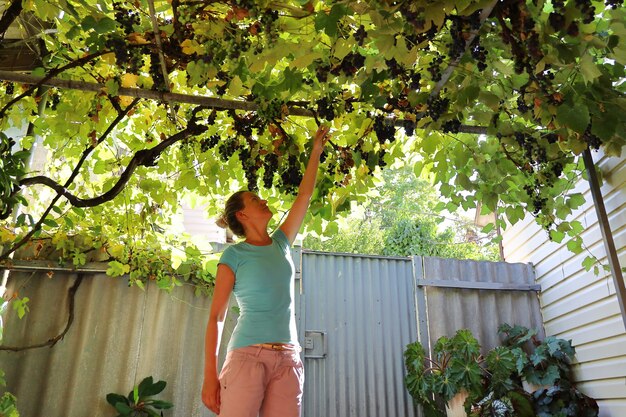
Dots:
{"x": 221, "y": 222}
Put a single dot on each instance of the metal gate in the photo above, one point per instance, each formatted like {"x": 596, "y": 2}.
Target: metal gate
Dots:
{"x": 356, "y": 314}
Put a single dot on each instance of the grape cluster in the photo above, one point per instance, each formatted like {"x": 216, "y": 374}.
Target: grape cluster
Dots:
{"x": 385, "y": 132}
{"x": 270, "y": 165}
{"x": 350, "y": 64}
{"x": 521, "y": 36}
{"x": 522, "y": 107}
{"x": 538, "y": 202}
{"x": 557, "y": 21}
{"x": 414, "y": 80}
{"x": 395, "y": 69}
{"x": 321, "y": 73}
{"x": 613, "y": 4}
{"x": 9, "y": 88}
{"x": 592, "y": 140}
{"x": 456, "y": 48}
{"x": 451, "y": 126}
{"x": 359, "y": 35}
{"x": 587, "y": 10}
{"x": 435, "y": 67}
{"x": 250, "y": 168}
{"x": 437, "y": 106}
{"x": 54, "y": 98}
{"x": 291, "y": 175}
{"x": 156, "y": 73}
{"x": 228, "y": 148}
{"x": 238, "y": 39}
{"x": 534, "y": 153}
{"x": 209, "y": 143}
{"x": 267, "y": 20}
{"x": 409, "y": 127}
{"x": 325, "y": 108}
{"x": 479, "y": 53}
{"x": 125, "y": 17}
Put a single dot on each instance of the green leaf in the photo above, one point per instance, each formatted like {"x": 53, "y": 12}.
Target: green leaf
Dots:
{"x": 117, "y": 269}
{"x": 576, "y": 116}
{"x": 113, "y": 399}
{"x": 589, "y": 262}
{"x": 589, "y": 69}
{"x": 329, "y": 22}
{"x": 575, "y": 245}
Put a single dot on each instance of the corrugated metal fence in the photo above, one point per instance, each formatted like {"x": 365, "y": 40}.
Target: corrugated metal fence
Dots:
{"x": 355, "y": 316}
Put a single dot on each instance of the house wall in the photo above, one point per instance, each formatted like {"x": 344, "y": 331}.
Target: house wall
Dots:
{"x": 577, "y": 304}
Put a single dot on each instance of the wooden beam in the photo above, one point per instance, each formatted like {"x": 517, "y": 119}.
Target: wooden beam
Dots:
{"x": 607, "y": 235}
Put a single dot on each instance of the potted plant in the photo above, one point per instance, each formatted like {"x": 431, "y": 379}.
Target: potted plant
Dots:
{"x": 453, "y": 370}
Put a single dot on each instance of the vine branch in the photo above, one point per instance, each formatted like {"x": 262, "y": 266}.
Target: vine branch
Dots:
{"x": 37, "y": 82}
{"x": 71, "y": 294}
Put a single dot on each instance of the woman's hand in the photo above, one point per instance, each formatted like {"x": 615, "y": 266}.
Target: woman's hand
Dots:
{"x": 321, "y": 137}
{"x": 211, "y": 394}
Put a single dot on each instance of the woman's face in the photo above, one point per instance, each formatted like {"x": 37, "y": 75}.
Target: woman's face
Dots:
{"x": 254, "y": 208}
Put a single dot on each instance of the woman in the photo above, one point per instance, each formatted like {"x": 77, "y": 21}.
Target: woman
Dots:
{"x": 263, "y": 374}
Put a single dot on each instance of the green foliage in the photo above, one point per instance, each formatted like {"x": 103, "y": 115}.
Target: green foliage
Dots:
{"x": 541, "y": 88}
{"x": 138, "y": 403}
{"x": 21, "y": 306}
{"x": 8, "y": 405}
{"x": 548, "y": 361}
{"x": 399, "y": 218}
{"x": 564, "y": 400}
{"x": 494, "y": 382}
{"x": 12, "y": 168}
{"x": 453, "y": 367}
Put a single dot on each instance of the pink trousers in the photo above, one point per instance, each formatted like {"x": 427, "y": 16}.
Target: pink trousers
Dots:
{"x": 261, "y": 382}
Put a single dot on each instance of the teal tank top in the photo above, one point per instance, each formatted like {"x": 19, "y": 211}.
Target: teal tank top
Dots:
{"x": 264, "y": 288}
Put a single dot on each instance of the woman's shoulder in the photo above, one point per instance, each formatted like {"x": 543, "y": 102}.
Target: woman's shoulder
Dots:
{"x": 281, "y": 238}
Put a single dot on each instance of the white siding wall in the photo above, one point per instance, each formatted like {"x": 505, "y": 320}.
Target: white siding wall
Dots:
{"x": 579, "y": 305}
{"x": 196, "y": 223}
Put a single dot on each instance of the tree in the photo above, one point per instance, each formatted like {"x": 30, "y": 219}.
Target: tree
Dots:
{"x": 143, "y": 103}
{"x": 400, "y": 218}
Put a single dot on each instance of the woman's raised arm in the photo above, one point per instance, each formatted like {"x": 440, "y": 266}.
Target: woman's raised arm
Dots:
{"x": 298, "y": 210}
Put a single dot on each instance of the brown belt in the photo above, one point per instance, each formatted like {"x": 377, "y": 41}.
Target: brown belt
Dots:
{"x": 278, "y": 346}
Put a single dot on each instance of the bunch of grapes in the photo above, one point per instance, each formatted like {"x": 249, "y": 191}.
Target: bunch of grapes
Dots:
{"x": 613, "y": 4}
{"x": 228, "y": 148}
{"x": 435, "y": 67}
{"x": 538, "y": 202}
{"x": 125, "y": 17}
{"x": 250, "y": 168}
{"x": 351, "y": 63}
{"x": 385, "y": 132}
{"x": 156, "y": 73}
{"x": 456, "y": 48}
{"x": 395, "y": 69}
{"x": 414, "y": 80}
{"x": 209, "y": 143}
{"x": 270, "y": 165}
{"x": 522, "y": 107}
{"x": 359, "y": 35}
{"x": 451, "y": 126}
{"x": 9, "y": 88}
{"x": 592, "y": 140}
{"x": 437, "y": 106}
{"x": 321, "y": 73}
{"x": 409, "y": 127}
{"x": 291, "y": 175}
{"x": 325, "y": 109}
{"x": 587, "y": 10}
{"x": 479, "y": 54}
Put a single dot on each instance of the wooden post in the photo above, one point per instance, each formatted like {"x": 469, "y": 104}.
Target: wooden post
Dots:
{"x": 607, "y": 235}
